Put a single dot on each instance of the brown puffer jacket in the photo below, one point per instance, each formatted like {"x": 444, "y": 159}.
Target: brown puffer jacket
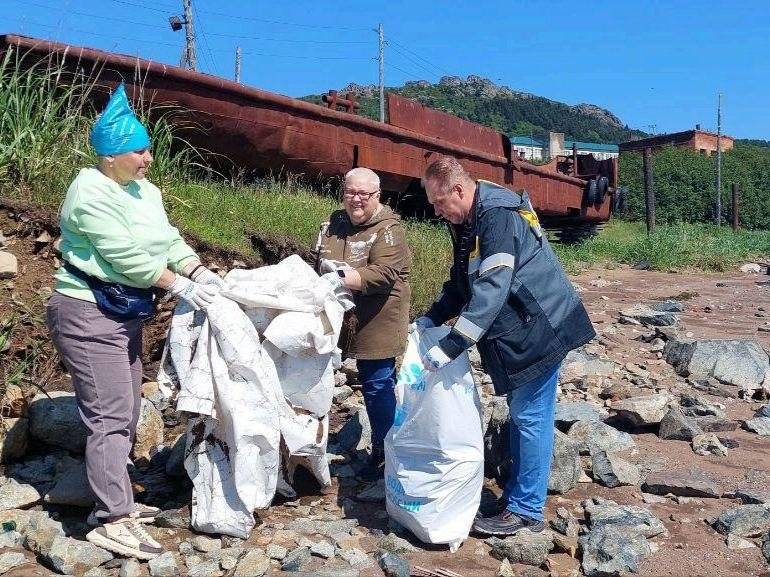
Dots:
{"x": 377, "y": 327}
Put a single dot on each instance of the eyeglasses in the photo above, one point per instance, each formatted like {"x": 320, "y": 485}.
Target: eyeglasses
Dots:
{"x": 364, "y": 196}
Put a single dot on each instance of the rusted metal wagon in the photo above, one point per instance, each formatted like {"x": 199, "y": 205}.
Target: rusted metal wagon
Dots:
{"x": 261, "y": 130}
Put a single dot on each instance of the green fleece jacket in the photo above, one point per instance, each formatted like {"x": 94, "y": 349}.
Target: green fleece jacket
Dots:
{"x": 117, "y": 234}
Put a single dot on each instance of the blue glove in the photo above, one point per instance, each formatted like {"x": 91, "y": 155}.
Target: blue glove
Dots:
{"x": 420, "y": 324}
{"x": 435, "y": 359}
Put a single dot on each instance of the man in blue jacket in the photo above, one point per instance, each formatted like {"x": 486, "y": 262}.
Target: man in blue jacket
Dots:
{"x": 513, "y": 301}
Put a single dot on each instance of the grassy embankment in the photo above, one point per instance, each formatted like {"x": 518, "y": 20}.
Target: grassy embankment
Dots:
{"x": 44, "y": 140}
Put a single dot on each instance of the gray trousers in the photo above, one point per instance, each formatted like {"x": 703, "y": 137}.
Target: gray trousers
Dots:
{"x": 103, "y": 356}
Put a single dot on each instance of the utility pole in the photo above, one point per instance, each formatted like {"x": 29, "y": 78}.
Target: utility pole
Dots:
{"x": 649, "y": 191}
{"x": 238, "y": 64}
{"x": 189, "y": 59}
{"x": 381, "y": 35}
{"x": 718, "y": 215}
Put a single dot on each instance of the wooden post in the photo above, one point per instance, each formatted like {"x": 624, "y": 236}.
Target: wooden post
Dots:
{"x": 649, "y": 192}
{"x": 734, "y": 212}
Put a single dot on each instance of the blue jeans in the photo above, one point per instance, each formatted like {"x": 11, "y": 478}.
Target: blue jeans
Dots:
{"x": 532, "y": 430}
{"x": 378, "y": 378}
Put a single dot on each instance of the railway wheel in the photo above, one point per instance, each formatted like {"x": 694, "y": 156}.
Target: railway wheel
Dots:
{"x": 602, "y": 185}
{"x": 590, "y": 193}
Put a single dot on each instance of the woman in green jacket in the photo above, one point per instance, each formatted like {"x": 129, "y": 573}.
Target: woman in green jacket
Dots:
{"x": 117, "y": 243}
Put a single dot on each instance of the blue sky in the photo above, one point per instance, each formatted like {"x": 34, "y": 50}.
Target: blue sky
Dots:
{"x": 650, "y": 63}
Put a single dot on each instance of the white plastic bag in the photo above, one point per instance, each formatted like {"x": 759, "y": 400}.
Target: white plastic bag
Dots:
{"x": 434, "y": 453}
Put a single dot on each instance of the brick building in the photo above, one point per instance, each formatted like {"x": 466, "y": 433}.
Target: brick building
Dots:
{"x": 698, "y": 140}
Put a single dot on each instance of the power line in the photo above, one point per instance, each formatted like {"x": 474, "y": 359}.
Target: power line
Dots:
{"x": 280, "y": 22}
{"x": 289, "y": 40}
{"x": 90, "y": 33}
{"x": 439, "y": 68}
{"x": 413, "y": 61}
{"x": 99, "y": 16}
{"x": 409, "y": 74}
{"x": 214, "y": 67}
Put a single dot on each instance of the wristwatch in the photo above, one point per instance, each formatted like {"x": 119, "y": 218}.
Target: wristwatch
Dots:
{"x": 340, "y": 273}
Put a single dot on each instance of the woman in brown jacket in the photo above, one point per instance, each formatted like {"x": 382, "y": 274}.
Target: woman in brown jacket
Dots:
{"x": 363, "y": 247}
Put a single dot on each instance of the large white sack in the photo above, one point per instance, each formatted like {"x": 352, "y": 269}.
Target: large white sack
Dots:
{"x": 232, "y": 382}
{"x": 434, "y": 453}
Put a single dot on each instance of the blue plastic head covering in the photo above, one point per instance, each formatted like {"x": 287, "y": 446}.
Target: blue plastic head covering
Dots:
{"x": 118, "y": 130}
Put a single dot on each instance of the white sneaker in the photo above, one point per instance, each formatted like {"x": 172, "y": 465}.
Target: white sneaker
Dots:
{"x": 126, "y": 537}
{"x": 141, "y": 514}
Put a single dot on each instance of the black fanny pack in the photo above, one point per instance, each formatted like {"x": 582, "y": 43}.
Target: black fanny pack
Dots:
{"x": 115, "y": 299}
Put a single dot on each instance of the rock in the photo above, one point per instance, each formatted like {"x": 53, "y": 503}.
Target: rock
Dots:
{"x": 395, "y": 544}
{"x": 9, "y": 265}
{"x": 668, "y": 306}
{"x": 356, "y": 558}
{"x": 15, "y": 495}
{"x": 71, "y": 485}
{"x": 394, "y": 566}
{"x": 525, "y": 547}
{"x": 11, "y": 559}
{"x": 565, "y": 466}
{"x": 742, "y": 363}
{"x": 565, "y": 523}
{"x": 350, "y": 369}
{"x": 506, "y": 569}
{"x": 356, "y": 433}
{"x": 276, "y": 552}
{"x": 592, "y": 436}
{"x": 648, "y": 317}
{"x": 374, "y": 493}
{"x": 70, "y": 556}
{"x": 253, "y": 564}
{"x": 295, "y": 559}
{"x": 568, "y": 413}
{"x": 642, "y": 411}
{"x": 173, "y": 519}
{"x": 55, "y": 421}
{"x": 752, "y": 496}
{"x": 39, "y": 471}
{"x": 14, "y": 403}
{"x": 744, "y": 521}
{"x": 708, "y": 444}
{"x": 561, "y": 565}
{"x": 13, "y": 438}
{"x": 130, "y": 568}
{"x": 579, "y": 364}
{"x": 610, "y": 550}
{"x": 766, "y": 547}
{"x": 342, "y": 393}
{"x": 735, "y": 543}
{"x": 326, "y": 528}
{"x": 684, "y": 484}
{"x": 675, "y": 425}
{"x": 164, "y": 565}
{"x": 695, "y": 405}
{"x": 713, "y": 424}
{"x": 208, "y": 568}
{"x": 613, "y": 471}
{"x": 206, "y": 544}
{"x": 40, "y": 532}
{"x": 322, "y": 549}
{"x": 11, "y": 539}
{"x": 496, "y": 438}
{"x": 603, "y": 512}
{"x": 763, "y": 411}
{"x": 751, "y": 268}
{"x": 149, "y": 432}
{"x": 758, "y": 425}
{"x": 175, "y": 464}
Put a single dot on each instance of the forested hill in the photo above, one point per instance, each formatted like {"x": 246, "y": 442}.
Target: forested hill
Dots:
{"x": 500, "y": 107}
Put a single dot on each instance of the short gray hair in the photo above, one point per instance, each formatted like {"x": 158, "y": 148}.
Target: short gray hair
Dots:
{"x": 445, "y": 171}
{"x": 366, "y": 174}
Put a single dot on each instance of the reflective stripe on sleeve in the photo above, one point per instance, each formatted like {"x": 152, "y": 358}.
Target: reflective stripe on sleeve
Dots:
{"x": 496, "y": 260}
{"x": 469, "y": 329}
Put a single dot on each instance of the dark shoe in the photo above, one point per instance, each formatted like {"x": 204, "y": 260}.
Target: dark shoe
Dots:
{"x": 375, "y": 468}
{"x": 490, "y": 507}
{"x": 506, "y": 523}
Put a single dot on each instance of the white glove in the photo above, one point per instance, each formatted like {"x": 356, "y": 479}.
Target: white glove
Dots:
{"x": 420, "y": 324}
{"x": 333, "y": 279}
{"x": 205, "y": 276}
{"x": 327, "y": 265}
{"x": 435, "y": 359}
{"x": 198, "y": 295}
